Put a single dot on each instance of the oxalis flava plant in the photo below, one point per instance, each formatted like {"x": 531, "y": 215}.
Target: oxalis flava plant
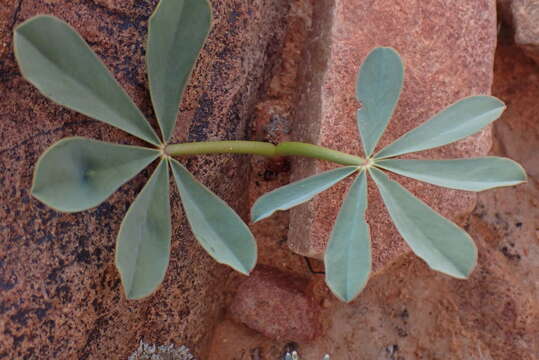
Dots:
{"x": 77, "y": 174}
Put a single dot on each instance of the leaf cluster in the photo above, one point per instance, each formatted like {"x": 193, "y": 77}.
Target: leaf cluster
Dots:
{"x": 76, "y": 174}
{"x": 444, "y": 246}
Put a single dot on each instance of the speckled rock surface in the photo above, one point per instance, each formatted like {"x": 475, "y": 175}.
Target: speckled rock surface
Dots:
{"x": 447, "y": 48}
{"x": 411, "y": 312}
{"x": 278, "y": 305}
{"x": 60, "y": 294}
{"x": 162, "y": 352}
{"x": 525, "y": 15}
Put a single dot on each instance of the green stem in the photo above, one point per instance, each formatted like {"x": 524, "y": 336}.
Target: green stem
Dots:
{"x": 220, "y": 147}
{"x": 264, "y": 149}
{"x": 317, "y": 152}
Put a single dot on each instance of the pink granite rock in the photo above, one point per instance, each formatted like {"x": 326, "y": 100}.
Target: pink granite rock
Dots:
{"x": 60, "y": 294}
{"x": 275, "y": 304}
{"x": 526, "y": 26}
{"x": 412, "y": 312}
{"x": 447, "y": 48}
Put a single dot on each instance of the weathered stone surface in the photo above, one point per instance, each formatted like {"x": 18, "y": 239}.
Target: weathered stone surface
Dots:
{"x": 276, "y": 304}
{"x": 412, "y": 312}
{"x": 162, "y": 352}
{"x": 60, "y": 295}
{"x": 504, "y": 11}
{"x": 525, "y": 14}
{"x": 447, "y": 48}
{"x": 518, "y": 86}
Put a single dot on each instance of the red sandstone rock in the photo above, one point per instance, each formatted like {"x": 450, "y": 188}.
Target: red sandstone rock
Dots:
{"x": 447, "y": 48}
{"x": 275, "y": 304}
{"x": 526, "y": 25}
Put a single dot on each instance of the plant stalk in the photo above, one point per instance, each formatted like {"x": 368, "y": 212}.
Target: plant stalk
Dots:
{"x": 264, "y": 149}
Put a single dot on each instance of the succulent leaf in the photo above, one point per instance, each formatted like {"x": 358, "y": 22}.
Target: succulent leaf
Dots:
{"x": 143, "y": 243}
{"x": 348, "y": 254}
{"x": 301, "y": 191}
{"x": 76, "y": 174}
{"x": 444, "y": 246}
{"x": 378, "y": 88}
{"x": 216, "y": 226}
{"x": 474, "y": 174}
{"x": 55, "y": 59}
{"x": 462, "y": 119}
{"x": 177, "y": 31}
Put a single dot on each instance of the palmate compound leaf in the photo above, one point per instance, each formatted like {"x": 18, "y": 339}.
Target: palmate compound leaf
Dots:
{"x": 56, "y": 60}
{"x": 76, "y": 174}
{"x": 442, "y": 244}
{"x": 301, "y": 191}
{"x": 216, "y": 226}
{"x": 378, "y": 89}
{"x": 177, "y": 31}
{"x": 348, "y": 255}
{"x": 143, "y": 243}
{"x": 464, "y": 118}
{"x": 475, "y": 174}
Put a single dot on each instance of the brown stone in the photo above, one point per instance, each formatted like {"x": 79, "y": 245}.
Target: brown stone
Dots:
{"x": 276, "y": 304}
{"x": 447, "y": 49}
{"x": 60, "y": 294}
{"x": 526, "y": 26}
{"x": 504, "y": 11}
